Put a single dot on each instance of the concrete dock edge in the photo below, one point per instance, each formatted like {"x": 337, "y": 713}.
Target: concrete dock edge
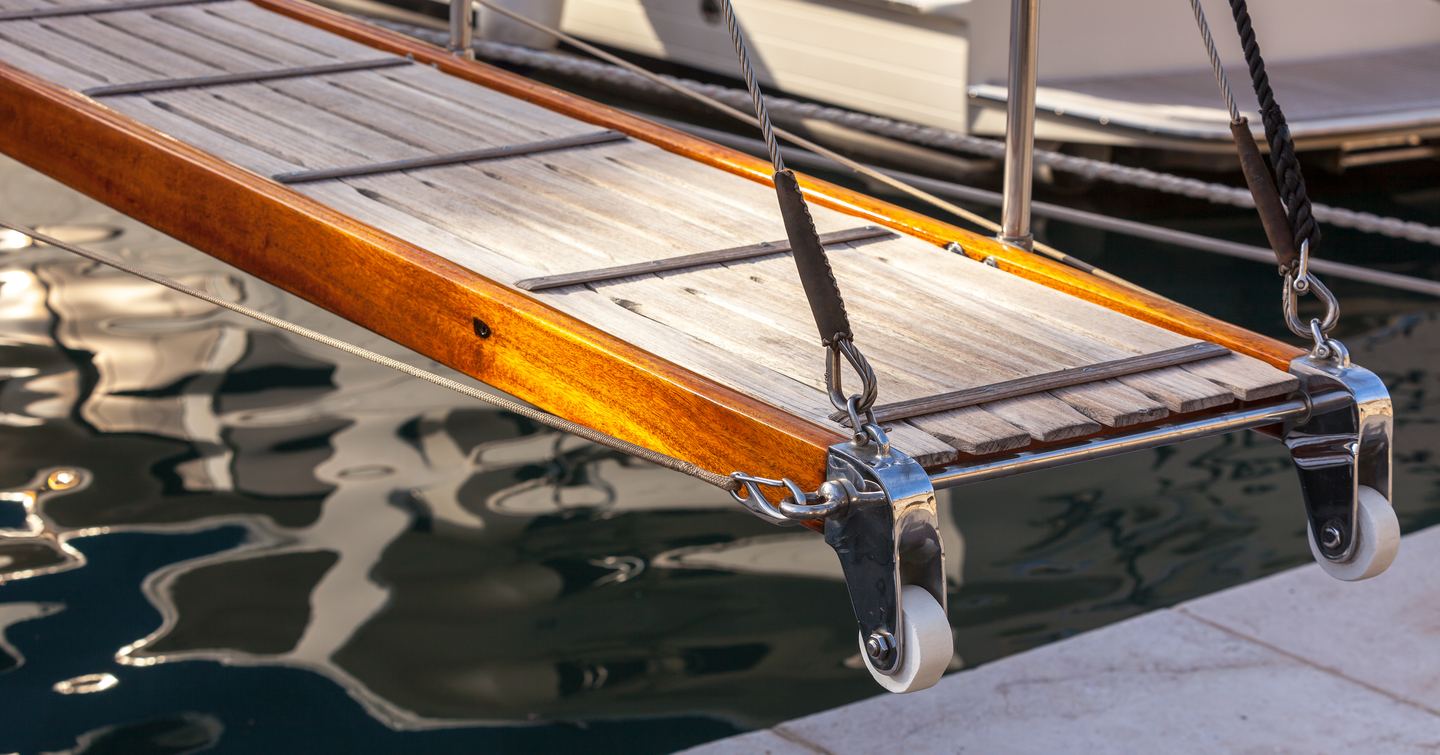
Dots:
{"x": 1295, "y": 662}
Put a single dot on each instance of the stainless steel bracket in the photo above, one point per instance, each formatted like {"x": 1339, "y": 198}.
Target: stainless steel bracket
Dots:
{"x": 887, "y": 535}
{"x": 877, "y": 509}
{"x": 1340, "y": 447}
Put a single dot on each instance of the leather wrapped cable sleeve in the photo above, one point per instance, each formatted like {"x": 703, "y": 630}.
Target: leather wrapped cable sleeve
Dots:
{"x": 821, "y": 289}
{"x": 1267, "y": 199}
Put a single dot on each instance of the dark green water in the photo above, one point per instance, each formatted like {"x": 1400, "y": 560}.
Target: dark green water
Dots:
{"x": 272, "y": 547}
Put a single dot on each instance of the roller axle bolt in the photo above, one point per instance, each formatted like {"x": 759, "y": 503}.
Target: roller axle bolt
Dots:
{"x": 880, "y": 646}
{"x": 1331, "y": 536}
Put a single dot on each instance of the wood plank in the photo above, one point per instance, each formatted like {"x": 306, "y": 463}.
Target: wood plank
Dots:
{"x": 1180, "y": 391}
{"x": 223, "y": 33}
{"x": 56, "y": 11}
{"x": 990, "y": 347}
{"x": 1250, "y": 380}
{"x": 1122, "y": 335}
{"x": 974, "y": 431}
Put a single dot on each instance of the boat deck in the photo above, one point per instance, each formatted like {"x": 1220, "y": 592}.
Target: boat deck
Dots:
{"x": 1327, "y": 99}
{"x": 516, "y": 192}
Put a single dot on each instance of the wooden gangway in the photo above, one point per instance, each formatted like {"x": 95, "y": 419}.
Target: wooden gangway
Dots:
{"x": 636, "y": 281}
{"x": 519, "y": 194}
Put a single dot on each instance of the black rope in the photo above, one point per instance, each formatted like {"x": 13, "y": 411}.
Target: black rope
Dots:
{"x": 1277, "y": 133}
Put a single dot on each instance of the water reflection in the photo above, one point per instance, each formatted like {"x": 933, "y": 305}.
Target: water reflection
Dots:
{"x": 257, "y": 510}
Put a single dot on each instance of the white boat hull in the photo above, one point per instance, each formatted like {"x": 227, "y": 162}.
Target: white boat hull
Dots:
{"x": 1114, "y": 72}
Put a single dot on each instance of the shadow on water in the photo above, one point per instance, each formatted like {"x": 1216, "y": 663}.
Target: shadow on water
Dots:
{"x": 215, "y": 534}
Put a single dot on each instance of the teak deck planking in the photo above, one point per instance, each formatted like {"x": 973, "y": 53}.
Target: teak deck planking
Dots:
{"x": 931, "y": 321}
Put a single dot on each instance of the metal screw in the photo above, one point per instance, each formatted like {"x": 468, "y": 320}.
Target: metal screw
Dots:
{"x": 991, "y": 261}
{"x": 879, "y": 646}
{"x": 62, "y": 479}
{"x": 1331, "y": 536}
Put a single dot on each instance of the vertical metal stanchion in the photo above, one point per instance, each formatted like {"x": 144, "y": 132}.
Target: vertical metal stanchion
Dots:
{"x": 1020, "y": 124}
{"x": 462, "y": 28}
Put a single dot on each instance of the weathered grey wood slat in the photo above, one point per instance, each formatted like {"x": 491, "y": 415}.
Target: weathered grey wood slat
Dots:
{"x": 57, "y": 11}
{"x": 625, "y": 204}
{"x": 1123, "y": 333}
{"x": 1249, "y": 379}
{"x": 686, "y": 261}
{"x": 451, "y": 158}
{"x": 85, "y": 62}
{"x": 1048, "y": 381}
{"x": 264, "y": 23}
{"x": 989, "y": 348}
{"x": 974, "y": 431}
{"x": 1255, "y": 379}
{"x": 244, "y": 77}
{"x": 220, "y": 35}
{"x": 74, "y": 66}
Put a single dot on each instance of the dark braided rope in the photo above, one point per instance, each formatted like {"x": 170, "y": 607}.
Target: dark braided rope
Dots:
{"x": 1277, "y": 133}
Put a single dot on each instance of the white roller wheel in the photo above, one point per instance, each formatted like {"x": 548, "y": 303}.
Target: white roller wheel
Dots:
{"x": 1378, "y": 540}
{"x": 928, "y": 644}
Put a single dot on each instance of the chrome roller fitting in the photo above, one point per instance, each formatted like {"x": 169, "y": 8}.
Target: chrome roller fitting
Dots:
{"x": 877, "y": 509}
{"x": 1342, "y": 451}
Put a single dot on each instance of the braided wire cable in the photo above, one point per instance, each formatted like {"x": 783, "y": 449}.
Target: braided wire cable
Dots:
{"x": 547, "y": 419}
{"x": 757, "y": 99}
{"x": 1277, "y": 132}
{"x": 1215, "y": 66}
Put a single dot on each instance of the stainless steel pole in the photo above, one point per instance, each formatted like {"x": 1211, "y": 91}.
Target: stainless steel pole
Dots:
{"x": 1163, "y": 435}
{"x": 1020, "y": 123}
{"x": 462, "y": 28}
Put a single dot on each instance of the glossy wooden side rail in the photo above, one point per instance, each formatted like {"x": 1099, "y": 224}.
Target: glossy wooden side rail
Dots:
{"x": 1135, "y": 303}
{"x": 398, "y": 290}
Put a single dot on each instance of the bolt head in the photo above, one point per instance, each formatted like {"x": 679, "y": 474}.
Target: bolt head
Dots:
{"x": 1331, "y": 536}
{"x": 879, "y": 646}
{"x": 62, "y": 479}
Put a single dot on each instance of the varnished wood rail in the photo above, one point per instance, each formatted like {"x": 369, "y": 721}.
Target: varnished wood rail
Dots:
{"x": 398, "y": 290}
